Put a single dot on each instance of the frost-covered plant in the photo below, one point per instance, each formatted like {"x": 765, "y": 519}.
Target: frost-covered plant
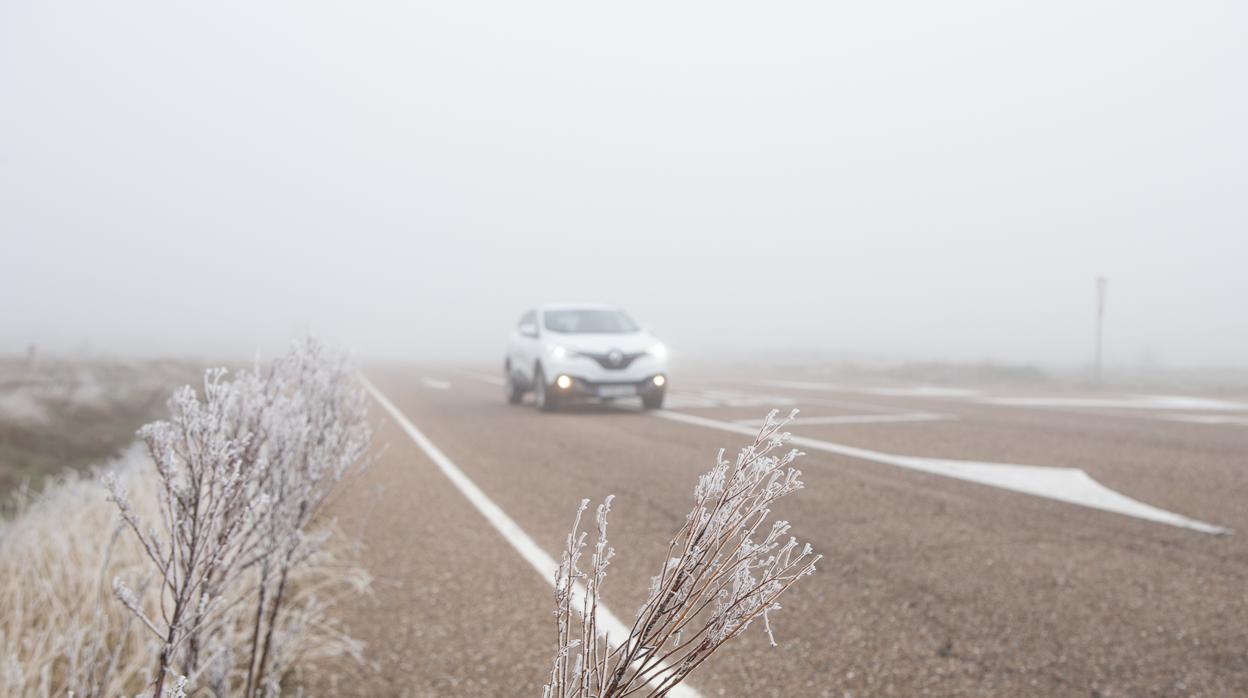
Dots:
{"x": 315, "y": 431}
{"x": 724, "y": 569}
{"x": 243, "y": 472}
{"x": 63, "y": 633}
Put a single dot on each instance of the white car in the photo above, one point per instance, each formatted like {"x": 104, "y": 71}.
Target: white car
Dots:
{"x": 562, "y": 352}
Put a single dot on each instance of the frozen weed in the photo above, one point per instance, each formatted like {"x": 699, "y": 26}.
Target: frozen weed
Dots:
{"x": 724, "y": 569}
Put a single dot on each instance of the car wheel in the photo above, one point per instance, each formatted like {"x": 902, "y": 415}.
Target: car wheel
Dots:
{"x": 511, "y": 389}
{"x": 546, "y": 402}
{"x": 653, "y": 401}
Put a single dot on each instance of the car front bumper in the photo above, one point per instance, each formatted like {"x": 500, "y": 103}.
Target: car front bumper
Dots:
{"x": 584, "y": 388}
{"x": 587, "y": 369}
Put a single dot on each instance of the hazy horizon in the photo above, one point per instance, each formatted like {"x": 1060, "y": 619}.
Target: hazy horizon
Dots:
{"x": 903, "y": 181}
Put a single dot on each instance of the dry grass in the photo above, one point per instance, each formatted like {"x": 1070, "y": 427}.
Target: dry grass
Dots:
{"x": 62, "y": 630}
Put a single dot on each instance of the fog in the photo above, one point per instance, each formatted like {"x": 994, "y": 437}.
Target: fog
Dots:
{"x": 903, "y": 180}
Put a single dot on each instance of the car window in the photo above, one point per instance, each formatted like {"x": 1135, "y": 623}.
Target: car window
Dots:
{"x": 528, "y": 318}
{"x": 588, "y": 322}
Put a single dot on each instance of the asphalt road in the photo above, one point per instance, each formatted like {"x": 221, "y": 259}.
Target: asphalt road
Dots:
{"x": 931, "y": 584}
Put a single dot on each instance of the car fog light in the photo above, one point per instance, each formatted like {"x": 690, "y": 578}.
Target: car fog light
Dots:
{"x": 563, "y": 382}
{"x": 659, "y": 381}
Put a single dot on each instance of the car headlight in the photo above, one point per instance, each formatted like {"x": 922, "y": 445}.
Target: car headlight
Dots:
{"x": 658, "y": 351}
{"x": 556, "y": 351}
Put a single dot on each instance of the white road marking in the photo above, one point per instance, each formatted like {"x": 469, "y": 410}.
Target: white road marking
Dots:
{"x": 721, "y": 397}
{"x": 859, "y": 419}
{"x": 1062, "y": 484}
{"x": 693, "y": 399}
{"x": 485, "y": 377}
{"x": 922, "y": 391}
{"x": 1142, "y": 402}
{"x": 1070, "y": 485}
{"x": 734, "y": 398}
{"x": 914, "y": 391}
{"x": 510, "y": 530}
{"x": 687, "y": 401}
{"x": 846, "y": 405}
{"x": 804, "y": 385}
{"x": 1207, "y": 419}
{"x": 436, "y": 384}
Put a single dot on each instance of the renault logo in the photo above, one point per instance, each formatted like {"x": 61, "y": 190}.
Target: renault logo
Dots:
{"x": 615, "y": 357}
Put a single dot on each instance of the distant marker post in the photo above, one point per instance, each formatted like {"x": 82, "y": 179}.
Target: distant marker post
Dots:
{"x": 1102, "y": 285}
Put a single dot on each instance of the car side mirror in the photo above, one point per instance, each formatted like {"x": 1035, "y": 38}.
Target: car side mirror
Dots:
{"x": 528, "y": 329}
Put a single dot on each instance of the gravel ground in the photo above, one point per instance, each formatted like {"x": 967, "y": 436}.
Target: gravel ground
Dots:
{"x": 930, "y": 586}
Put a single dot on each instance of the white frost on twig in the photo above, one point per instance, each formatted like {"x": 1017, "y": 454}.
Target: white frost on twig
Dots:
{"x": 719, "y": 575}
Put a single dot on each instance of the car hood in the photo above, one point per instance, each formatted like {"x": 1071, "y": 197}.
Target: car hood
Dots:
{"x": 629, "y": 343}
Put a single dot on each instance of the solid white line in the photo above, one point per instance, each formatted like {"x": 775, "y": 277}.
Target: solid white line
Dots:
{"x": 435, "y": 383}
{"x": 1070, "y": 485}
{"x": 510, "y": 530}
{"x": 858, "y": 419}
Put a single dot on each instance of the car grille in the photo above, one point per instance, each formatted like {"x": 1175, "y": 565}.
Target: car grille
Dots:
{"x": 613, "y": 360}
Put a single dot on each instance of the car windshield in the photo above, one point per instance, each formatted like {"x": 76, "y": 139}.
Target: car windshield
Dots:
{"x": 588, "y": 322}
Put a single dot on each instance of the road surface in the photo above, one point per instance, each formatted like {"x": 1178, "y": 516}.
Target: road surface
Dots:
{"x": 973, "y": 544}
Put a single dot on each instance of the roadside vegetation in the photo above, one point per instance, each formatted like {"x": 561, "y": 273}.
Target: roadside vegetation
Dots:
{"x": 724, "y": 570}
{"x": 220, "y": 579}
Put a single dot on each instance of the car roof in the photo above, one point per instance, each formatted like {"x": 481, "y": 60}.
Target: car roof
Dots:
{"x": 576, "y": 306}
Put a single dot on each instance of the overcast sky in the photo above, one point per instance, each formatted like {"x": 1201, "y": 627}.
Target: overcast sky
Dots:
{"x": 914, "y": 180}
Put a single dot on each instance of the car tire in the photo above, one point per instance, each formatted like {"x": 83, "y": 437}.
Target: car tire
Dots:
{"x": 653, "y": 401}
{"x": 511, "y": 389}
{"x": 542, "y": 396}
